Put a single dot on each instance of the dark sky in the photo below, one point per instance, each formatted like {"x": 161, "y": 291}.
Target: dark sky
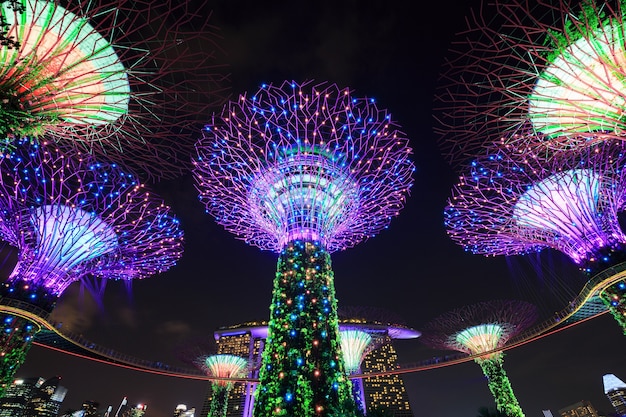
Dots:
{"x": 391, "y": 52}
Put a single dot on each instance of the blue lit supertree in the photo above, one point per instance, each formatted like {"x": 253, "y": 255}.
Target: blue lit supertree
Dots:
{"x": 72, "y": 218}
{"x": 303, "y": 170}
{"x": 522, "y": 200}
{"x": 124, "y": 80}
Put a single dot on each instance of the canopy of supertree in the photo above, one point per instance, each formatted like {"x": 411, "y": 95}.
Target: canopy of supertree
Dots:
{"x": 510, "y": 203}
{"x": 225, "y": 366}
{"x": 479, "y": 327}
{"x": 303, "y": 161}
{"x": 355, "y": 344}
{"x": 71, "y": 217}
{"x": 545, "y": 69}
{"x": 121, "y": 79}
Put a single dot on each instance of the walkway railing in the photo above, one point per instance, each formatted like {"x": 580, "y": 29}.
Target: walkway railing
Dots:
{"x": 68, "y": 342}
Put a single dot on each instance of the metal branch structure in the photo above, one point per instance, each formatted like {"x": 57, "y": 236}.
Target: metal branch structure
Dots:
{"x": 303, "y": 169}
{"x": 124, "y": 80}
{"x": 480, "y": 328}
{"x": 223, "y": 368}
{"x": 71, "y": 219}
{"x": 552, "y": 71}
{"x": 516, "y": 202}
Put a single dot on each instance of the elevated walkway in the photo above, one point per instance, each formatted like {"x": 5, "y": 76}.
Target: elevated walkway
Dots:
{"x": 585, "y": 306}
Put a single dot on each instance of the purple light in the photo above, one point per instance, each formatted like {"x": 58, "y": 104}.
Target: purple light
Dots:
{"x": 512, "y": 203}
{"x": 303, "y": 162}
{"x": 70, "y": 216}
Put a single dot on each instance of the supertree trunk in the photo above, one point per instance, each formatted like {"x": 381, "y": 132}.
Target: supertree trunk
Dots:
{"x": 357, "y": 394}
{"x": 302, "y": 372}
{"x": 614, "y": 297}
{"x": 17, "y": 334}
{"x": 219, "y": 403}
{"x": 15, "y": 342}
{"x": 499, "y": 385}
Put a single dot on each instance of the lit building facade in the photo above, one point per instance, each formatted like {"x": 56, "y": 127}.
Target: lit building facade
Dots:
{"x": 33, "y": 397}
{"x": 615, "y": 390}
{"x": 386, "y": 391}
{"x": 248, "y": 340}
{"x": 579, "y": 409}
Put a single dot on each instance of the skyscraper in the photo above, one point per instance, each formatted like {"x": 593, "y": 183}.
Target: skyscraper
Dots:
{"x": 33, "y": 396}
{"x": 387, "y": 391}
{"x": 615, "y": 390}
{"x": 579, "y": 409}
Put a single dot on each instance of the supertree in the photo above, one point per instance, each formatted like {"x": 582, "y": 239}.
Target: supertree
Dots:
{"x": 303, "y": 170}
{"x": 122, "y": 79}
{"x": 72, "y": 218}
{"x": 551, "y": 71}
{"x": 224, "y": 369}
{"x": 517, "y": 202}
{"x": 481, "y": 330}
{"x": 355, "y": 345}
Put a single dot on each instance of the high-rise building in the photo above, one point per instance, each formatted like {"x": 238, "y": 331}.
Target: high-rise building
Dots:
{"x": 579, "y": 409}
{"x": 386, "y": 391}
{"x": 248, "y": 340}
{"x": 90, "y": 408}
{"x": 33, "y": 396}
{"x": 615, "y": 390}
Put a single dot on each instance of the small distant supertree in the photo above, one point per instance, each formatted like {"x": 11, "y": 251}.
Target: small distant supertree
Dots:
{"x": 122, "y": 79}
{"x": 223, "y": 369}
{"x": 545, "y": 69}
{"x": 71, "y": 219}
{"x": 303, "y": 170}
{"x": 355, "y": 345}
{"x": 515, "y": 203}
{"x": 482, "y": 329}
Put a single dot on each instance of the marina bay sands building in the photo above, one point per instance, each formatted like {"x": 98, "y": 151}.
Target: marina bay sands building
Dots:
{"x": 248, "y": 341}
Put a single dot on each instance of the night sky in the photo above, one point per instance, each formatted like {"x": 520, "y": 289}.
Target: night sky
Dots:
{"x": 391, "y": 52}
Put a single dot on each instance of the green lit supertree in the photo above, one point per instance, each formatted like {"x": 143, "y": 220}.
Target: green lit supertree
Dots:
{"x": 124, "y": 80}
{"x": 223, "y": 369}
{"x": 303, "y": 170}
{"x": 552, "y": 71}
{"x": 481, "y": 330}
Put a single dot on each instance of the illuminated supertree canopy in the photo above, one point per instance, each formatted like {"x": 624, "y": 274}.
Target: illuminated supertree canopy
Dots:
{"x": 303, "y": 170}
{"x": 549, "y": 71}
{"x": 124, "y": 80}
{"x": 510, "y": 203}
{"x": 516, "y": 202}
{"x": 226, "y": 367}
{"x": 72, "y": 218}
{"x": 484, "y": 327}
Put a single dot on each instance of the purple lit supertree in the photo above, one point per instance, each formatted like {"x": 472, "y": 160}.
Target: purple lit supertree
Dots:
{"x": 552, "y": 71}
{"x": 482, "y": 329}
{"x": 124, "y": 80}
{"x": 72, "y": 218}
{"x": 516, "y": 201}
{"x": 303, "y": 170}
{"x": 224, "y": 369}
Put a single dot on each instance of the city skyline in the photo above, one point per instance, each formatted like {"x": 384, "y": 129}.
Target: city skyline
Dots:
{"x": 412, "y": 268}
